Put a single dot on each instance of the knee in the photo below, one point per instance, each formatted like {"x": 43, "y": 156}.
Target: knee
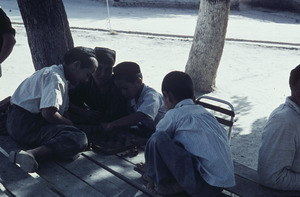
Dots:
{"x": 158, "y": 139}
{"x": 82, "y": 141}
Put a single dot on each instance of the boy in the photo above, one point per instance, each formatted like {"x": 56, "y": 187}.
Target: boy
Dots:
{"x": 36, "y": 117}
{"x": 98, "y": 100}
{"x": 279, "y": 153}
{"x": 189, "y": 150}
{"x": 146, "y": 104}
{"x": 7, "y": 37}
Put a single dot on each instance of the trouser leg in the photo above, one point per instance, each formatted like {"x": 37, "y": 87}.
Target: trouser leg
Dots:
{"x": 32, "y": 130}
{"x": 166, "y": 160}
{"x": 65, "y": 141}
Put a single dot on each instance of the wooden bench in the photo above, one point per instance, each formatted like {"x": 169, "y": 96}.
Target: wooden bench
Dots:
{"x": 247, "y": 184}
{"x": 93, "y": 174}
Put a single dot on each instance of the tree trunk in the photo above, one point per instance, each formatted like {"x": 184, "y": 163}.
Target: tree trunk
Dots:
{"x": 208, "y": 44}
{"x": 48, "y": 31}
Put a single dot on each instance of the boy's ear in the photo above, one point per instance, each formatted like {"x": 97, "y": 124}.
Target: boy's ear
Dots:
{"x": 75, "y": 65}
{"x": 297, "y": 94}
{"x": 140, "y": 81}
{"x": 169, "y": 96}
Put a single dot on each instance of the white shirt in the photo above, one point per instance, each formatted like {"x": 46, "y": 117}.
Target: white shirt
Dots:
{"x": 150, "y": 103}
{"x": 201, "y": 135}
{"x": 279, "y": 153}
{"x": 45, "y": 88}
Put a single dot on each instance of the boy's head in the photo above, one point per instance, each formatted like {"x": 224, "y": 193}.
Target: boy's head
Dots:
{"x": 79, "y": 64}
{"x": 294, "y": 77}
{"x": 128, "y": 78}
{"x": 295, "y": 84}
{"x": 176, "y": 86}
{"x": 106, "y": 59}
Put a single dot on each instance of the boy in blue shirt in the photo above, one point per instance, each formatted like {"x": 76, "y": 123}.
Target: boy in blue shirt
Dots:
{"x": 189, "y": 150}
{"x": 146, "y": 104}
{"x": 37, "y": 114}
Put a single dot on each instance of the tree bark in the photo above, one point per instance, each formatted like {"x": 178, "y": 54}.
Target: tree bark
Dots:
{"x": 208, "y": 44}
{"x": 48, "y": 31}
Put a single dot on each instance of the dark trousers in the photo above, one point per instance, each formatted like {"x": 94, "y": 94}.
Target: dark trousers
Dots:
{"x": 167, "y": 162}
{"x": 33, "y": 130}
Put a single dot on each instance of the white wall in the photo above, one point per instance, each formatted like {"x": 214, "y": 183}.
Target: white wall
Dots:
{"x": 166, "y": 3}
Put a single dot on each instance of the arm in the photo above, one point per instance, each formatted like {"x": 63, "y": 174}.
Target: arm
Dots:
{"x": 92, "y": 115}
{"x": 7, "y": 46}
{"x": 52, "y": 116}
{"x": 277, "y": 155}
{"x": 129, "y": 120}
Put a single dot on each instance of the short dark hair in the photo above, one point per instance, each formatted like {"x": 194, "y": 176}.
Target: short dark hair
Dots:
{"x": 179, "y": 84}
{"x": 128, "y": 71}
{"x": 82, "y": 54}
{"x": 294, "y": 76}
{"x": 105, "y": 56}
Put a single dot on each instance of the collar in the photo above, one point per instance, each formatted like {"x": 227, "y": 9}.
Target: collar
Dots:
{"x": 292, "y": 105}
{"x": 184, "y": 102}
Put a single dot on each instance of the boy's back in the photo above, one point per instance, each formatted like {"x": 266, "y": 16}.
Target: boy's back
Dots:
{"x": 201, "y": 135}
{"x": 189, "y": 149}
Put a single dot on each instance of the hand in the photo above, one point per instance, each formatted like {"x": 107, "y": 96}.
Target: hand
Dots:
{"x": 92, "y": 115}
{"x": 105, "y": 127}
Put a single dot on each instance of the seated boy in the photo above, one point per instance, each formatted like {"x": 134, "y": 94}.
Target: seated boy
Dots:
{"x": 98, "y": 99}
{"x": 189, "y": 150}
{"x": 146, "y": 104}
{"x": 36, "y": 116}
{"x": 279, "y": 153}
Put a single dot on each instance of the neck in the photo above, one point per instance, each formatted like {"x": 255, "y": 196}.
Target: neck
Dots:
{"x": 295, "y": 100}
{"x": 66, "y": 72}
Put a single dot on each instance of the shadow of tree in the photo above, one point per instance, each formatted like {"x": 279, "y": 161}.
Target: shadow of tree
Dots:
{"x": 245, "y": 147}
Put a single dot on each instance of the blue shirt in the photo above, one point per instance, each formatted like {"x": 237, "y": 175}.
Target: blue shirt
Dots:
{"x": 150, "y": 103}
{"x": 201, "y": 135}
{"x": 45, "y": 88}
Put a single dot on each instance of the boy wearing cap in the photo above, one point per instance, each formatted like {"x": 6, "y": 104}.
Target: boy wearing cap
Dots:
{"x": 36, "y": 116}
{"x": 98, "y": 99}
{"x": 146, "y": 104}
{"x": 279, "y": 154}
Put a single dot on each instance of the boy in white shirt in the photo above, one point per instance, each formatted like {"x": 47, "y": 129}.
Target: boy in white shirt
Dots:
{"x": 36, "y": 116}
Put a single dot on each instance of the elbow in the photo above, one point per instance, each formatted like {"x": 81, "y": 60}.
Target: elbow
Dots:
{"x": 281, "y": 180}
{"x": 48, "y": 114}
{"x": 13, "y": 41}
{"x": 9, "y": 40}
{"x": 45, "y": 114}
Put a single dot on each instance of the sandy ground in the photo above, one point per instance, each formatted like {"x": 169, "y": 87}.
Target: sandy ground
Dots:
{"x": 262, "y": 47}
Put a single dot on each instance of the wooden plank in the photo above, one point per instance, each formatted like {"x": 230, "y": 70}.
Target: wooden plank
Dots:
{"x": 120, "y": 168}
{"x": 97, "y": 177}
{"x": 133, "y": 158}
{"x": 2, "y": 191}
{"x": 19, "y": 183}
{"x": 7, "y": 144}
{"x": 245, "y": 172}
{"x": 65, "y": 182}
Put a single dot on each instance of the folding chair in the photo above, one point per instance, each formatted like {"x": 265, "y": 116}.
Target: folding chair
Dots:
{"x": 221, "y": 109}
